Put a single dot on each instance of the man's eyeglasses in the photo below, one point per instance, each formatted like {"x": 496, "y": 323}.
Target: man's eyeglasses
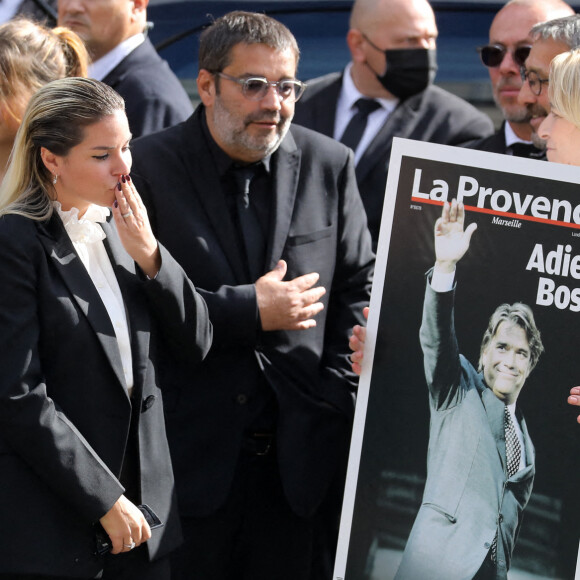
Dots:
{"x": 492, "y": 55}
{"x": 534, "y": 81}
{"x": 256, "y": 88}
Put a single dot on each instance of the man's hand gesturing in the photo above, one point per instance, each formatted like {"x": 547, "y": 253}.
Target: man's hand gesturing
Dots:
{"x": 289, "y": 305}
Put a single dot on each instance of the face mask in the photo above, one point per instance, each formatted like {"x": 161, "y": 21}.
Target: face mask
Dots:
{"x": 409, "y": 71}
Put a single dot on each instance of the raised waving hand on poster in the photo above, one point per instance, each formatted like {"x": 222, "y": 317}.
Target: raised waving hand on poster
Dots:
{"x": 451, "y": 239}
{"x": 451, "y": 243}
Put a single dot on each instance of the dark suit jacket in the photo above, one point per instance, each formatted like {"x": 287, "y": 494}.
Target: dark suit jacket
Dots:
{"x": 317, "y": 225}
{"x": 468, "y": 497}
{"x": 154, "y": 97}
{"x": 39, "y": 10}
{"x": 434, "y": 115}
{"x": 64, "y": 408}
{"x": 494, "y": 143}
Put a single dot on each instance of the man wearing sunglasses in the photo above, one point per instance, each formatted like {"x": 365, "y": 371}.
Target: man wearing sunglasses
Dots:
{"x": 549, "y": 39}
{"x": 509, "y": 46}
{"x": 267, "y": 222}
{"x": 393, "y": 64}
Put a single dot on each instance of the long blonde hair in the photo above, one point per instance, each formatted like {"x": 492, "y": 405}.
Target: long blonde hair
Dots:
{"x": 56, "y": 117}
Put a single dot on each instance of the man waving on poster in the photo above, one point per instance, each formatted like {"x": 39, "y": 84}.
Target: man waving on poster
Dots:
{"x": 480, "y": 466}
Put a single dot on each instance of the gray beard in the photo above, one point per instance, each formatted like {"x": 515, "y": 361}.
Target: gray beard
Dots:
{"x": 521, "y": 116}
{"x": 235, "y": 136}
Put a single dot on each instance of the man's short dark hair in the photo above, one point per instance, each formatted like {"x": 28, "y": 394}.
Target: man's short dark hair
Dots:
{"x": 238, "y": 27}
{"x": 522, "y": 315}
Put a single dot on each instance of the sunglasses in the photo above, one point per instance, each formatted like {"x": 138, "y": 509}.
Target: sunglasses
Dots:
{"x": 492, "y": 55}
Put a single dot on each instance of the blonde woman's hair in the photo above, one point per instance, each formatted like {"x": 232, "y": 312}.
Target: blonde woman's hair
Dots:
{"x": 32, "y": 55}
{"x": 56, "y": 118}
{"x": 564, "y": 86}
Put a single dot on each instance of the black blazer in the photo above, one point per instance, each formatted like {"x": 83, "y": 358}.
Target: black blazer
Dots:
{"x": 154, "y": 97}
{"x": 317, "y": 224}
{"x": 64, "y": 409}
{"x": 495, "y": 143}
{"x": 40, "y": 10}
{"x": 433, "y": 115}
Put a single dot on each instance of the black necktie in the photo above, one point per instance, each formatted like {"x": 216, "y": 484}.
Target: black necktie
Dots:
{"x": 254, "y": 241}
{"x": 357, "y": 125}
{"x": 526, "y": 150}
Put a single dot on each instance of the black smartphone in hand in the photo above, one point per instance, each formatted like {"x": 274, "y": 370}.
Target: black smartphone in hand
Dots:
{"x": 102, "y": 540}
{"x": 150, "y": 516}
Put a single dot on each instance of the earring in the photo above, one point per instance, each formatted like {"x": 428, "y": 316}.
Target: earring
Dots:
{"x": 54, "y": 179}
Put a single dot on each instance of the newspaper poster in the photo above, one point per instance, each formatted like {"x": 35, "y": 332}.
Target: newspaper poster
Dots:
{"x": 526, "y": 249}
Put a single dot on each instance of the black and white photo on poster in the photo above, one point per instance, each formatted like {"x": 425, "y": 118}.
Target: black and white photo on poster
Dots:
{"x": 526, "y": 248}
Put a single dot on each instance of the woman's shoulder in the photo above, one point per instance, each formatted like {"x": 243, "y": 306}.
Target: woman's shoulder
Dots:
{"x": 19, "y": 231}
{"x": 17, "y": 224}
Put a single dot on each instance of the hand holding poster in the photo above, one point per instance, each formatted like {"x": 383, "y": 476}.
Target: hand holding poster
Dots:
{"x": 429, "y": 448}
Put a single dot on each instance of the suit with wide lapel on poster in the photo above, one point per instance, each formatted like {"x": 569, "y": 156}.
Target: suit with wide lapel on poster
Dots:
{"x": 64, "y": 407}
{"x": 468, "y": 498}
{"x": 317, "y": 225}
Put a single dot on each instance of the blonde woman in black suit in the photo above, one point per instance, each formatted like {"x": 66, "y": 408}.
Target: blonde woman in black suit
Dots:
{"x": 82, "y": 439}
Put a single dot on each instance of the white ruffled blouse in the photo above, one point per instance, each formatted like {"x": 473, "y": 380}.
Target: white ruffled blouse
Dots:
{"x": 87, "y": 237}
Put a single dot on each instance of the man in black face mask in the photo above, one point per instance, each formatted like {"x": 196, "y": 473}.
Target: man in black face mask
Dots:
{"x": 386, "y": 91}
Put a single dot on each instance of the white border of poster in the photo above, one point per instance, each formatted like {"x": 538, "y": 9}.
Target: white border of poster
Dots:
{"x": 507, "y": 210}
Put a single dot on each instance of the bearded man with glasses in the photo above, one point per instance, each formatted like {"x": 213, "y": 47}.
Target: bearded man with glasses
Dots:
{"x": 509, "y": 45}
{"x": 266, "y": 220}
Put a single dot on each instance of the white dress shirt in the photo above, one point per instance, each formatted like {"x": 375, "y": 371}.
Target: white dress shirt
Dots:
{"x": 87, "y": 238}
{"x": 345, "y": 111}
{"x": 511, "y": 137}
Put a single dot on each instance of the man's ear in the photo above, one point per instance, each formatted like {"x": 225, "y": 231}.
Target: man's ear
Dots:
{"x": 140, "y": 5}
{"x": 51, "y": 161}
{"x": 206, "y": 87}
{"x": 137, "y": 16}
{"x": 355, "y": 39}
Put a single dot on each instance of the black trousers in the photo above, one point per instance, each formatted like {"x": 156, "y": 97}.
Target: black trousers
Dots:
{"x": 253, "y": 536}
